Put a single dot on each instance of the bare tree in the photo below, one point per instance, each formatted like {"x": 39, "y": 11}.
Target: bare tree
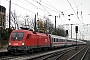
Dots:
{"x": 28, "y": 22}
{"x": 48, "y": 25}
{"x": 14, "y": 20}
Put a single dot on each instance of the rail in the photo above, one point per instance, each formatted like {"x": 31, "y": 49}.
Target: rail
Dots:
{"x": 82, "y": 57}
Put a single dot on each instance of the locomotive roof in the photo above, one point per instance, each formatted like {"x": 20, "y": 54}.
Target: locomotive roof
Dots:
{"x": 21, "y": 31}
{"x": 43, "y": 34}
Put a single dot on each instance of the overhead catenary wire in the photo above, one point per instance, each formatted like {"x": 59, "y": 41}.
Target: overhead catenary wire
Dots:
{"x": 80, "y": 13}
{"x": 43, "y": 7}
{"x": 53, "y": 6}
{"x": 31, "y": 11}
{"x": 45, "y": 10}
{"x": 49, "y": 7}
{"x": 75, "y": 6}
{"x": 24, "y": 8}
{"x": 74, "y": 11}
{"x": 21, "y": 7}
{"x": 59, "y": 11}
{"x": 34, "y": 5}
{"x": 77, "y": 10}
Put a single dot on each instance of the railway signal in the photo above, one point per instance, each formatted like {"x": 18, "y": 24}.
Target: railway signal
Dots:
{"x": 76, "y": 29}
{"x": 66, "y": 32}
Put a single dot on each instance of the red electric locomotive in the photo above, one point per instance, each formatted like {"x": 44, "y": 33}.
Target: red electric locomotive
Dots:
{"x": 25, "y": 40}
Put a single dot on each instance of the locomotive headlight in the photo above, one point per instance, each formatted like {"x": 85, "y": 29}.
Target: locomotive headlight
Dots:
{"x": 9, "y": 43}
{"x": 23, "y": 43}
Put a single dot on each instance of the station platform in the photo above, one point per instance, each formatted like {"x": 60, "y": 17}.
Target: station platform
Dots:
{"x": 3, "y": 50}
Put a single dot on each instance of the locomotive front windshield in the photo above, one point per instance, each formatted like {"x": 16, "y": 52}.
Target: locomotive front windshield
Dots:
{"x": 17, "y": 35}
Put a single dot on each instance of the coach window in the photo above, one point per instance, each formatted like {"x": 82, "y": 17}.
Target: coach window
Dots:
{"x": 28, "y": 36}
{"x": 54, "y": 40}
{"x": 61, "y": 40}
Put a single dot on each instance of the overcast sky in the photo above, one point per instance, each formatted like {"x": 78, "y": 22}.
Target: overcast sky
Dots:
{"x": 79, "y": 8}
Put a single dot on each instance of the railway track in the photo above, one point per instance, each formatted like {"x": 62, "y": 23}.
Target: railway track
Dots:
{"x": 49, "y": 55}
{"x": 7, "y": 56}
{"x": 80, "y": 55}
{"x": 52, "y": 55}
{"x": 4, "y": 54}
{"x": 58, "y": 54}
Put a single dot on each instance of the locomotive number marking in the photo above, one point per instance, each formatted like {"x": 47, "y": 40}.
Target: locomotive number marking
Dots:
{"x": 15, "y": 44}
{"x": 45, "y": 40}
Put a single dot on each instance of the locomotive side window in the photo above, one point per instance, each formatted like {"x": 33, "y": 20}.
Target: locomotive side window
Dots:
{"x": 51, "y": 39}
{"x": 17, "y": 36}
{"x": 28, "y": 36}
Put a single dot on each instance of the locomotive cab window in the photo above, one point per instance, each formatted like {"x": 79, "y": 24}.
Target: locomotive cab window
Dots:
{"x": 28, "y": 36}
{"x": 17, "y": 35}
